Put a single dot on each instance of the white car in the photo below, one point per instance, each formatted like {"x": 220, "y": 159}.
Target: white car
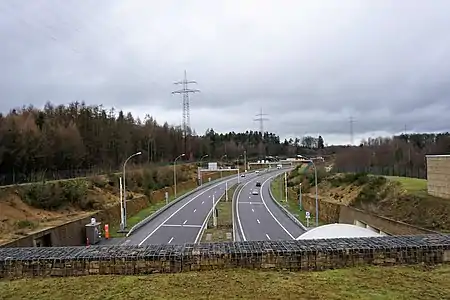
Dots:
{"x": 242, "y": 175}
{"x": 255, "y": 192}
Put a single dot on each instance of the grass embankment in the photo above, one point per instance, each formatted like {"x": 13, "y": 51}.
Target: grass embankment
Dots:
{"x": 224, "y": 220}
{"x": 355, "y": 283}
{"x": 293, "y": 205}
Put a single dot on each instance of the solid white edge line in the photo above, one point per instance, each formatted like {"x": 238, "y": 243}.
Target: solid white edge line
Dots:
{"x": 197, "y": 238}
{"x": 264, "y": 202}
{"x": 180, "y": 208}
{"x": 237, "y": 209}
{"x": 170, "y": 241}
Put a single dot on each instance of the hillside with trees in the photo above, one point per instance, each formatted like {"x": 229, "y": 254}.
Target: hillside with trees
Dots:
{"x": 74, "y": 140}
{"x": 402, "y": 155}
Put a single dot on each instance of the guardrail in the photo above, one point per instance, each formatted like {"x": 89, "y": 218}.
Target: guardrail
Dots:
{"x": 170, "y": 204}
{"x": 286, "y": 212}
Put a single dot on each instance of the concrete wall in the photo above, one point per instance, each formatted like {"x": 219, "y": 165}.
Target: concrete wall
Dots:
{"x": 438, "y": 175}
{"x": 382, "y": 225}
{"x": 330, "y": 212}
{"x": 277, "y": 255}
{"x": 73, "y": 233}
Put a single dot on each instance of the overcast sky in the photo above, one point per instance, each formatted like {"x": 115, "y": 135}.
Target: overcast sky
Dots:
{"x": 310, "y": 65}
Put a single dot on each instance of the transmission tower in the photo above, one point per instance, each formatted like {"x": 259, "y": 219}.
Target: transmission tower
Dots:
{"x": 186, "y": 126}
{"x": 261, "y": 118}
{"x": 351, "y": 121}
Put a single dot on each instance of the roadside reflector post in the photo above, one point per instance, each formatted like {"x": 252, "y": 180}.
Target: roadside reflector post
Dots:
{"x": 106, "y": 231}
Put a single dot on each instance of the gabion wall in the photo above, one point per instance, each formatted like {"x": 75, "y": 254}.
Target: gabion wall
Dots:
{"x": 301, "y": 255}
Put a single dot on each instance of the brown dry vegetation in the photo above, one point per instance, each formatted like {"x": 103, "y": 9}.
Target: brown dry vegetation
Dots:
{"x": 399, "y": 198}
{"x": 25, "y": 209}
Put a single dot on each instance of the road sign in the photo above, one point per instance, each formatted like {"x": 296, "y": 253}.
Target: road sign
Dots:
{"x": 308, "y": 215}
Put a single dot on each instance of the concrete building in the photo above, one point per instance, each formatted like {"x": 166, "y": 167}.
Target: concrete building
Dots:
{"x": 438, "y": 175}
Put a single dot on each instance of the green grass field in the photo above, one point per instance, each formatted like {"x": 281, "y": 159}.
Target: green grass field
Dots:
{"x": 356, "y": 283}
{"x": 411, "y": 185}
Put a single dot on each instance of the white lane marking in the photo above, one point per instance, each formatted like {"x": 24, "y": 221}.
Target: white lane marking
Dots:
{"x": 253, "y": 210}
{"x": 195, "y": 210}
{"x": 252, "y": 203}
{"x": 170, "y": 241}
{"x": 179, "y": 225}
{"x": 180, "y": 208}
{"x": 268, "y": 237}
{"x": 237, "y": 209}
{"x": 185, "y": 222}
{"x": 209, "y": 196}
{"x": 264, "y": 202}
{"x": 249, "y": 197}
{"x": 258, "y": 221}
{"x": 203, "y": 202}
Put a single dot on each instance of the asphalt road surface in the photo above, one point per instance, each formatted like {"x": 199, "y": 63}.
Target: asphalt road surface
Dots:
{"x": 258, "y": 217}
{"x": 181, "y": 223}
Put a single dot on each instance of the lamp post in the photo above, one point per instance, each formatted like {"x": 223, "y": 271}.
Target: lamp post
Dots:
{"x": 125, "y": 189}
{"x": 245, "y": 160}
{"x": 175, "y": 174}
{"x": 223, "y": 156}
{"x": 200, "y": 173}
{"x": 315, "y": 182}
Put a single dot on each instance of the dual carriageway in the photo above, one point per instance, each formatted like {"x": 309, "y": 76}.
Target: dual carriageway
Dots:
{"x": 256, "y": 216}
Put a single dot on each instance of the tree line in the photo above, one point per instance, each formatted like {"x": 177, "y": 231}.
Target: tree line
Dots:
{"x": 401, "y": 155}
{"x": 74, "y": 140}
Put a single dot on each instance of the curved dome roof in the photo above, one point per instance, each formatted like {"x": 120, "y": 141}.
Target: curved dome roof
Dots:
{"x": 331, "y": 231}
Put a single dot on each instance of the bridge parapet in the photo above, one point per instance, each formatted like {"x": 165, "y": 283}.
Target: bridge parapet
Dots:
{"x": 303, "y": 255}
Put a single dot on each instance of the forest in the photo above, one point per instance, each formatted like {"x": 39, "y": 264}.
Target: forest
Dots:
{"x": 74, "y": 140}
{"x": 65, "y": 141}
{"x": 402, "y": 155}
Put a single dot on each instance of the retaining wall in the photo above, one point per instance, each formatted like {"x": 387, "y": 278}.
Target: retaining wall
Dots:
{"x": 330, "y": 212}
{"x": 293, "y": 255}
{"x": 73, "y": 233}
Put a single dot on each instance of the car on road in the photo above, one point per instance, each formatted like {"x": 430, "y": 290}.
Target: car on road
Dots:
{"x": 258, "y": 183}
{"x": 242, "y": 175}
{"x": 255, "y": 192}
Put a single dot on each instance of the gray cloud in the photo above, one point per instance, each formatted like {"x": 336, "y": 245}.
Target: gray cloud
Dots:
{"x": 309, "y": 65}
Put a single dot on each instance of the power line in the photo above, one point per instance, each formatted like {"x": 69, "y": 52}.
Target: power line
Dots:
{"x": 186, "y": 125}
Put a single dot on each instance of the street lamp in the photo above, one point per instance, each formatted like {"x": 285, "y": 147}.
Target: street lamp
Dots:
{"x": 223, "y": 156}
{"x": 175, "y": 174}
{"x": 125, "y": 189}
{"x": 200, "y": 173}
{"x": 315, "y": 182}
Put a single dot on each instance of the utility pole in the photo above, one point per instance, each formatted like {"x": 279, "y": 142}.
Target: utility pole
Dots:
{"x": 351, "y": 129}
{"x": 186, "y": 126}
{"x": 260, "y": 118}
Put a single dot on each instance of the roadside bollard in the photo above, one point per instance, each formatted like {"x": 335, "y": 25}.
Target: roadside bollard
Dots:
{"x": 106, "y": 231}
{"x": 87, "y": 241}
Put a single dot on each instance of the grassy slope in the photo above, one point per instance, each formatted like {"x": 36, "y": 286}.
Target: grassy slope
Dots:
{"x": 363, "y": 283}
{"x": 293, "y": 204}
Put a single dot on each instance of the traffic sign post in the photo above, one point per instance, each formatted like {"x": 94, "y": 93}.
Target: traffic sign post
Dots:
{"x": 167, "y": 197}
{"x": 308, "y": 216}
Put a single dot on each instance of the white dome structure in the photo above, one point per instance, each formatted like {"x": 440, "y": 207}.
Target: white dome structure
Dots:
{"x": 332, "y": 231}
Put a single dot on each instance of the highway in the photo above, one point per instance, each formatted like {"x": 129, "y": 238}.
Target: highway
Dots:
{"x": 182, "y": 222}
{"x": 258, "y": 217}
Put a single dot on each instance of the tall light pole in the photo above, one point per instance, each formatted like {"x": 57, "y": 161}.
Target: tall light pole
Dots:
{"x": 200, "y": 173}
{"x": 125, "y": 189}
{"x": 315, "y": 182}
{"x": 223, "y": 156}
{"x": 175, "y": 174}
{"x": 245, "y": 160}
